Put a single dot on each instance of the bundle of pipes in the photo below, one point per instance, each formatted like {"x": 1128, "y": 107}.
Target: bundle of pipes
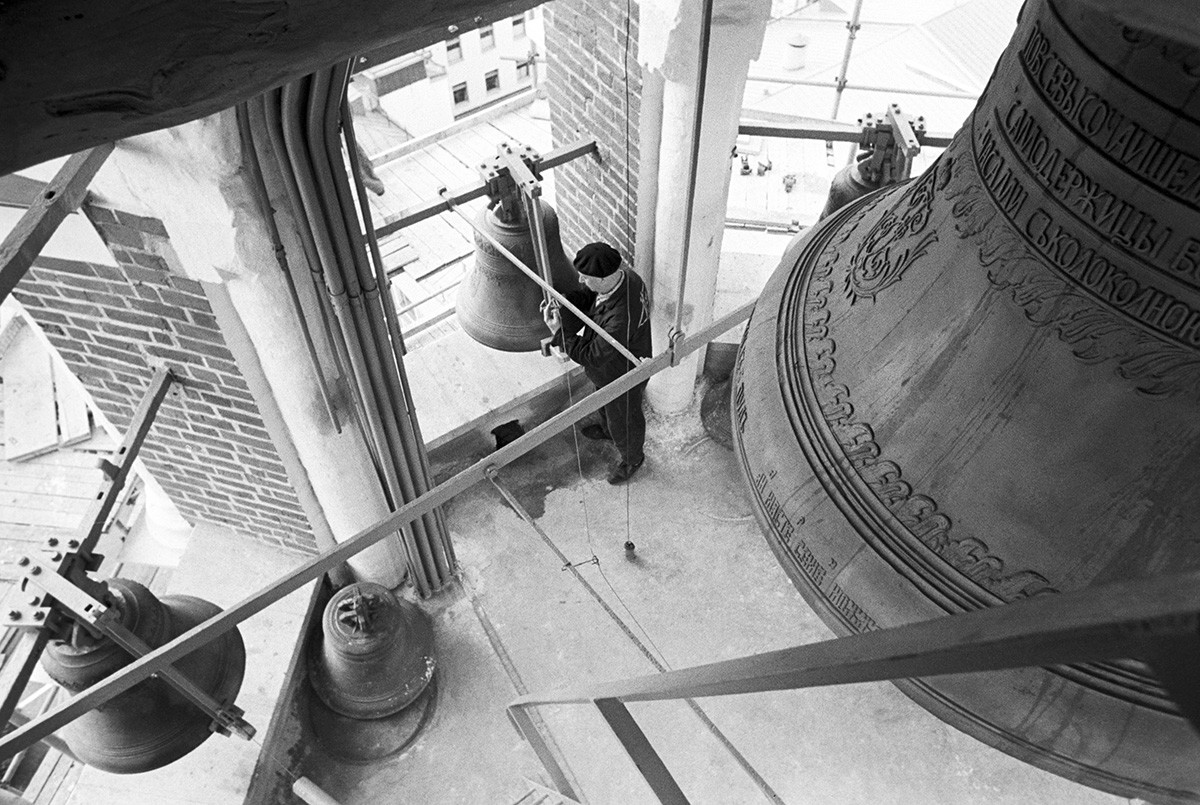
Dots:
{"x": 295, "y": 129}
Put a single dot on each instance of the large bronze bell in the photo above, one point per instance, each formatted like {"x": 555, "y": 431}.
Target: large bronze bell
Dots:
{"x": 149, "y": 725}
{"x": 498, "y": 305}
{"x": 981, "y": 386}
{"x": 376, "y": 653}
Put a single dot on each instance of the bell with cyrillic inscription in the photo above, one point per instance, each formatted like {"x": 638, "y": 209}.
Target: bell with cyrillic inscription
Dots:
{"x": 980, "y": 386}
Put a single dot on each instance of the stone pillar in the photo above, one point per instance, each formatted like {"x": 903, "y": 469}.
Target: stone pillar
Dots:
{"x": 669, "y": 44}
{"x": 192, "y": 178}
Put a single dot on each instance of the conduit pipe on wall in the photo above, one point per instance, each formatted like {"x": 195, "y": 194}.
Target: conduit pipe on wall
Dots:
{"x": 323, "y": 112}
{"x": 414, "y": 453}
{"x": 324, "y": 109}
{"x": 301, "y": 153}
{"x": 303, "y": 119}
{"x": 265, "y": 111}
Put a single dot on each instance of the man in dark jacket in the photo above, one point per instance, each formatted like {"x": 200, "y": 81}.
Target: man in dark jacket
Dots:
{"x": 616, "y": 300}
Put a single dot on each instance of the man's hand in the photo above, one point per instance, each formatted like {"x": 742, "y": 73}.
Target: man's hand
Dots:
{"x": 551, "y": 316}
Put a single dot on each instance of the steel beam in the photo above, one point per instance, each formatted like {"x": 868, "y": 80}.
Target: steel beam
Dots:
{"x": 757, "y": 129}
{"x": 61, "y": 197}
{"x": 641, "y": 752}
{"x": 1121, "y": 620}
{"x": 470, "y": 192}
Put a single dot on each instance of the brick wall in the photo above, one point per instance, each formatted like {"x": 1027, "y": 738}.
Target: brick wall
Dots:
{"x": 591, "y": 55}
{"x": 113, "y": 326}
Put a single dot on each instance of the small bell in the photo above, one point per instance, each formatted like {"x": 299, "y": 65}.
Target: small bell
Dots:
{"x": 376, "y": 654}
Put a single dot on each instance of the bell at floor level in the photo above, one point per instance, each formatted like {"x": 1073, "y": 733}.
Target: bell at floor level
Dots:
{"x": 498, "y": 305}
{"x": 149, "y": 725}
{"x": 981, "y": 386}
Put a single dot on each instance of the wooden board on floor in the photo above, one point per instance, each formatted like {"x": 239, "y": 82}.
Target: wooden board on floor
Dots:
{"x": 29, "y": 422}
{"x": 74, "y": 424}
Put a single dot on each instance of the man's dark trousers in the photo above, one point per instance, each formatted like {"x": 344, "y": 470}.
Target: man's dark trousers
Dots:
{"x": 625, "y": 422}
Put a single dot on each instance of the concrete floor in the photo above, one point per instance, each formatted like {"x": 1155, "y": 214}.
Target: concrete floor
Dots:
{"x": 704, "y": 587}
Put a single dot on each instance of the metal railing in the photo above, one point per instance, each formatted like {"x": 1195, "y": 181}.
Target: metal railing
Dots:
{"x": 1157, "y": 620}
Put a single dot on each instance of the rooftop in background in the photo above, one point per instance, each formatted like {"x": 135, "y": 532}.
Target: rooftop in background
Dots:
{"x": 922, "y": 47}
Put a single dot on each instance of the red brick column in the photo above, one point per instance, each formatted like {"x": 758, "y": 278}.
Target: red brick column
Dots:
{"x": 594, "y": 85}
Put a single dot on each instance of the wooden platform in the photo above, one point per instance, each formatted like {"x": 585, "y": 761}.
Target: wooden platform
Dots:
{"x": 462, "y": 388}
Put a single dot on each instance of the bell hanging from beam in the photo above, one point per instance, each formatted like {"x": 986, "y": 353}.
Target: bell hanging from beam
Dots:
{"x": 981, "y": 386}
{"x": 498, "y": 304}
{"x": 149, "y": 725}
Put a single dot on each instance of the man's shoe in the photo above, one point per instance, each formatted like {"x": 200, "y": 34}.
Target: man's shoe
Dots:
{"x": 623, "y": 471}
{"x": 596, "y": 433}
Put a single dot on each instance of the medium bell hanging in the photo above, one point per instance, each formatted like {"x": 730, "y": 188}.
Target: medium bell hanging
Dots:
{"x": 981, "y": 386}
{"x": 149, "y": 725}
{"x": 498, "y": 305}
{"x": 376, "y": 652}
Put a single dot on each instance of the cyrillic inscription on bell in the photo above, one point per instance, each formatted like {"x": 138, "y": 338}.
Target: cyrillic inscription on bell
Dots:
{"x": 982, "y": 385}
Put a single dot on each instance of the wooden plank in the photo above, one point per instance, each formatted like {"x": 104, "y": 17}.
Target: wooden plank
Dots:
{"x": 74, "y": 423}
{"x": 20, "y": 534}
{"x": 43, "y": 775}
{"x": 55, "y": 780}
{"x": 29, "y": 422}
{"x": 40, "y": 517}
{"x": 16, "y": 501}
{"x": 63, "y": 795}
{"x": 56, "y": 485}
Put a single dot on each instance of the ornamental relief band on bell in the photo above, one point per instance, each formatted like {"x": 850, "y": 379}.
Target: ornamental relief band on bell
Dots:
{"x": 918, "y": 514}
{"x": 1089, "y": 218}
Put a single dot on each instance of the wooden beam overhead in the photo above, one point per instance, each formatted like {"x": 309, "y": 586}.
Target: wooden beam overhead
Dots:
{"x": 77, "y": 73}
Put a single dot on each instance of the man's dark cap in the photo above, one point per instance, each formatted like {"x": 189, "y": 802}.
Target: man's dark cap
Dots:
{"x": 597, "y": 260}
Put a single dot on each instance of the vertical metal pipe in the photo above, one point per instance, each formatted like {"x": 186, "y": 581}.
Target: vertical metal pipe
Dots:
{"x": 299, "y": 155}
{"x": 852, "y": 31}
{"x": 270, "y": 106}
{"x": 694, "y": 165}
{"x": 324, "y": 110}
{"x": 412, "y": 453}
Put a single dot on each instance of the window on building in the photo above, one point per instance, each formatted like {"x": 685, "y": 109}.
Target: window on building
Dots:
{"x": 460, "y": 93}
{"x": 524, "y": 70}
{"x": 487, "y": 38}
{"x": 453, "y": 50}
{"x": 518, "y": 25}
{"x": 491, "y": 80}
